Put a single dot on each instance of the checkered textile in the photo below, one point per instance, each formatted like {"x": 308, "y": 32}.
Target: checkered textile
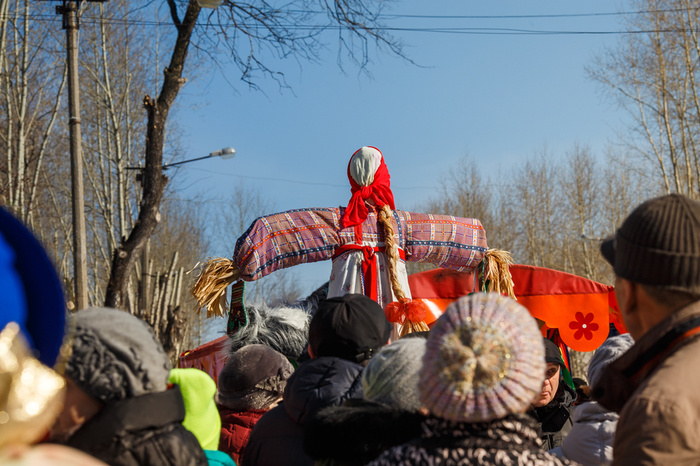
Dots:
{"x": 309, "y": 235}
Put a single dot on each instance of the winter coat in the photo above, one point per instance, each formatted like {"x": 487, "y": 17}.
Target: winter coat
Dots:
{"x": 235, "y": 430}
{"x": 357, "y": 432}
{"x": 143, "y": 430}
{"x": 218, "y": 458}
{"x": 555, "y": 420}
{"x": 509, "y": 441}
{"x": 590, "y": 441}
{"x": 277, "y": 438}
{"x": 654, "y": 387}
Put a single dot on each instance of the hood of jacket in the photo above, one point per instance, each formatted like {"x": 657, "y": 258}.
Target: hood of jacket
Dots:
{"x": 591, "y": 438}
{"x": 554, "y": 415}
{"x": 319, "y": 383}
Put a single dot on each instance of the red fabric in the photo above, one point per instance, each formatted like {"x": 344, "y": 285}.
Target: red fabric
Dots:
{"x": 210, "y": 357}
{"x": 379, "y": 191}
{"x": 235, "y": 431}
{"x": 579, "y": 308}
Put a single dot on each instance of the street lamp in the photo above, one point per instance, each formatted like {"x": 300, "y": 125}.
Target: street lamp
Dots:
{"x": 225, "y": 153}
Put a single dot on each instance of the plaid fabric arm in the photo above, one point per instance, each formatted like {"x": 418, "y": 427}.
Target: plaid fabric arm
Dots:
{"x": 450, "y": 242}
{"x": 286, "y": 239}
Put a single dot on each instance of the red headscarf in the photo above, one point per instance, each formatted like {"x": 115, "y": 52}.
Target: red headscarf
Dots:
{"x": 379, "y": 191}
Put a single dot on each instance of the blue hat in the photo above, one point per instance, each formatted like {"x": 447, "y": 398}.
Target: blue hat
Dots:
{"x": 30, "y": 289}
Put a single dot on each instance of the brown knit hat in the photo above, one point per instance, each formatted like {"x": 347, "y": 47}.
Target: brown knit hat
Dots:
{"x": 254, "y": 377}
{"x": 658, "y": 244}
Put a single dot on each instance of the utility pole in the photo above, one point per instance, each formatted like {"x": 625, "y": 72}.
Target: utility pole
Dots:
{"x": 69, "y": 10}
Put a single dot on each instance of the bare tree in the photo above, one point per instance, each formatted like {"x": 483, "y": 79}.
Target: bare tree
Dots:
{"x": 31, "y": 82}
{"x": 464, "y": 192}
{"x": 241, "y": 31}
{"x": 538, "y": 212}
{"x": 652, "y": 74}
{"x": 579, "y": 185}
{"x": 243, "y": 205}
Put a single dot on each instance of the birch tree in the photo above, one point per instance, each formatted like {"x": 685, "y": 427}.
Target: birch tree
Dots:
{"x": 653, "y": 74}
{"x": 32, "y": 79}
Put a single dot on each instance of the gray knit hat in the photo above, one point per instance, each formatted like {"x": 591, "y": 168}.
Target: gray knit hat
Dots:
{"x": 658, "y": 244}
{"x": 253, "y": 378}
{"x": 391, "y": 377}
{"x": 609, "y": 351}
{"x": 116, "y": 356}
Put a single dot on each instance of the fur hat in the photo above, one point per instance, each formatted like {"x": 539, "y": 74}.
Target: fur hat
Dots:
{"x": 253, "y": 378}
{"x": 391, "y": 376}
{"x": 116, "y": 356}
{"x": 283, "y": 328}
{"x": 484, "y": 360}
{"x": 609, "y": 351}
{"x": 351, "y": 327}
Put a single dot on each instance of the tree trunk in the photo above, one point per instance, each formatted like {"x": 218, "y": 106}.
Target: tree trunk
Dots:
{"x": 154, "y": 180}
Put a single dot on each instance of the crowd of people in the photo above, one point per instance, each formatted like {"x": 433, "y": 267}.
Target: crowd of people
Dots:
{"x": 337, "y": 387}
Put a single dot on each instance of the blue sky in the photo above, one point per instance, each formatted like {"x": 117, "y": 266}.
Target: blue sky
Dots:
{"x": 498, "y": 97}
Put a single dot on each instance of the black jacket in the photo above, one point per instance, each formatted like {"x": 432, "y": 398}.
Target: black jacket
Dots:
{"x": 144, "y": 430}
{"x": 358, "y": 431}
{"x": 278, "y": 436}
{"x": 555, "y": 420}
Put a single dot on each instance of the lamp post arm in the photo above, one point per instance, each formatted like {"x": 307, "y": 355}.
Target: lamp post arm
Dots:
{"x": 168, "y": 165}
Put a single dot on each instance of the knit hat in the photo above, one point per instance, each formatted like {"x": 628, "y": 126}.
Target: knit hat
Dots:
{"x": 391, "y": 376}
{"x": 484, "y": 360}
{"x": 658, "y": 244}
{"x": 553, "y": 354}
{"x": 351, "y": 327}
{"x": 116, "y": 356}
{"x": 369, "y": 179}
{"x": 30, "y": 290}
{"x": 609, "y": 351}
{"x": 201, "y": 416}
{"x": 253, "y": 378}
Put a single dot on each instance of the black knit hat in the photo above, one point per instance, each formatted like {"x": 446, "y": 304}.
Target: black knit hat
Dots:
{"x": 351, "y": 327}
{"x": 658, "y": 244}
{"x": 552, "y": 353}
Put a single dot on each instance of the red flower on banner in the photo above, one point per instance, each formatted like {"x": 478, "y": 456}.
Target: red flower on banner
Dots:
{"x": 583, "y": 325}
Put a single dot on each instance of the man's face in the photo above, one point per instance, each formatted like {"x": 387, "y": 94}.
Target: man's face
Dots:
{"x": 622, "y": 295}
{"x": 78, "y": 408}
{"x": 549, "y": 386}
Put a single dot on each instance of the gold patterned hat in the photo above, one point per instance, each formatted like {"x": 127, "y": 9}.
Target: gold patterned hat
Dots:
{"x": 31, "y": 394}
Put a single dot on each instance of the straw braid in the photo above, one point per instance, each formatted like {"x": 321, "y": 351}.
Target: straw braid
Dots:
{"x": 209, "y": 288}
{"x": 385, "y": 217}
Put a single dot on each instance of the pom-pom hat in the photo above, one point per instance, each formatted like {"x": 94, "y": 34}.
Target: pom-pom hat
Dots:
{"x": 484, "y": 360}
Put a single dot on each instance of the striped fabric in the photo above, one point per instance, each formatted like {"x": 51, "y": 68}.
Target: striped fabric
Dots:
{"x": 309, "y": 235}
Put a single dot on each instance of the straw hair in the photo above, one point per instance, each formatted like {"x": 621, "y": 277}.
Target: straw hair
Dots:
{"x": 209, "y": 288}
{"x": 497, "y": 272}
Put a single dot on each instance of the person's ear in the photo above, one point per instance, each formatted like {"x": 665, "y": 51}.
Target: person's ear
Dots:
{"x": 625, "y": 293}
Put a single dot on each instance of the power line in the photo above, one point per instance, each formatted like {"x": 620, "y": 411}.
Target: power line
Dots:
{"x": 87, "y": 19}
